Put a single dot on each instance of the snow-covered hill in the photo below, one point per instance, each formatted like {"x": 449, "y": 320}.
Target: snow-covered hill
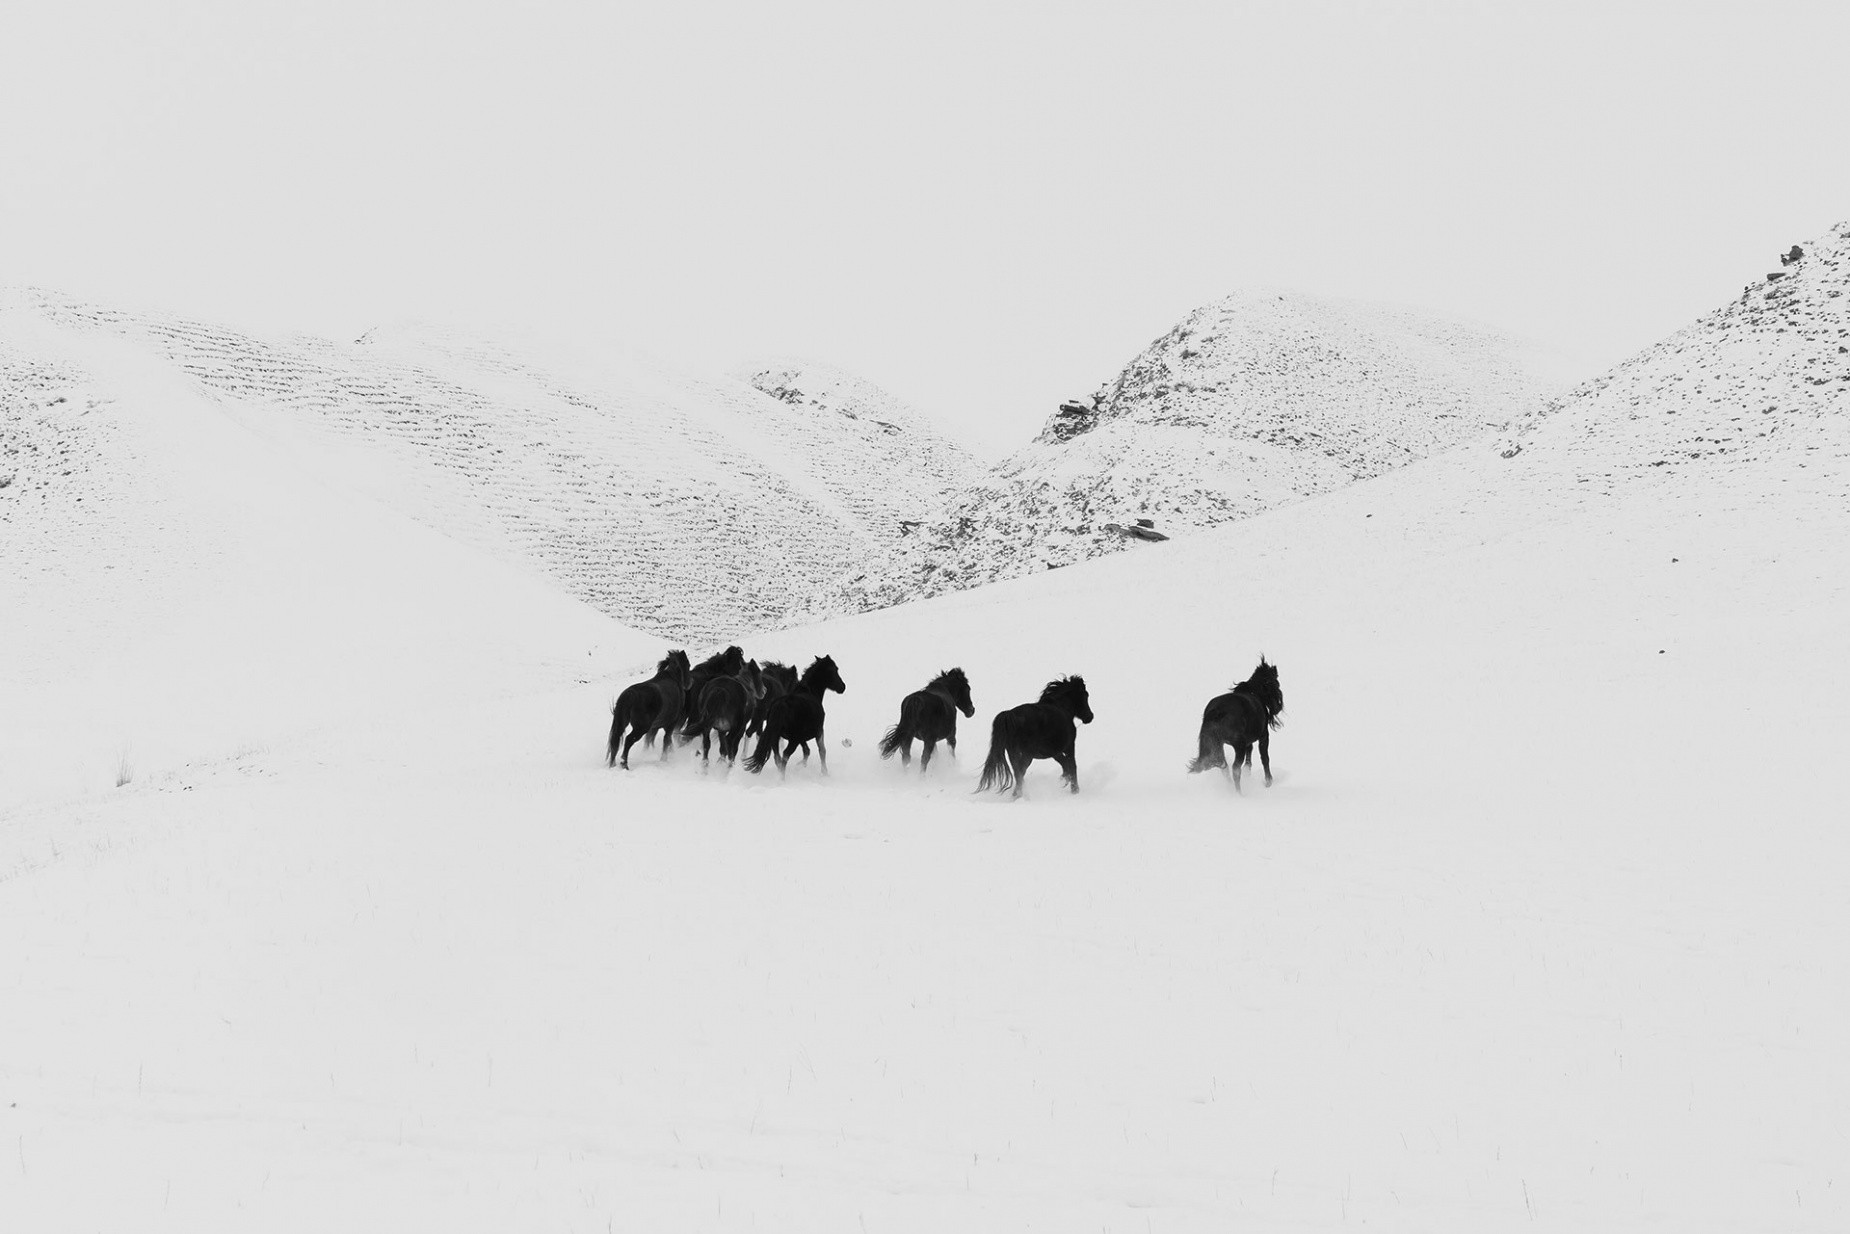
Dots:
{"x": 695, "y": 508}
{"x": 175, "y": 587}
{"x": 1765, "y": 377}
{"x": 1542, "y": 925}
{"x": 900, "y": 469}
{"x": 1252, "y": 402}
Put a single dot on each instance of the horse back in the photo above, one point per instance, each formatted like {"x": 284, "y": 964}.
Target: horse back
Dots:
{"x": 928, "y": 715}
{"x": 1038, "y": 730}
{"x": 1237, "y": 718}
{"x": 795, "y": 717}
{"x": 640, "y": 703}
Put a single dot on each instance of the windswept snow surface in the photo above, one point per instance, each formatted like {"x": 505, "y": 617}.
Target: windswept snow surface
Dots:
{"x": 1542, "y": 926}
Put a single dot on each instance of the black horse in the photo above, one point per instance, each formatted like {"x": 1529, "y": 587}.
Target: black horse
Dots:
{"x": 725, "y": 664}
{"x": 1045, "y": 729}
{"x": 797, "y": 717}
{"x": 725, "y": 707}
{"x": 648, "y": 707}
{"x": 1242, "y": 718}
{"x": 930, "y": 715}
{"x": 777, "y": 680}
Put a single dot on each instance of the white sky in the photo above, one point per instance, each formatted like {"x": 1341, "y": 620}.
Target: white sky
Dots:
{"x": 985, "y": 207}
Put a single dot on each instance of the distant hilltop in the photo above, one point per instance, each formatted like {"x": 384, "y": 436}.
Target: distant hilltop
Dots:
{"x": 1256, "y": 400}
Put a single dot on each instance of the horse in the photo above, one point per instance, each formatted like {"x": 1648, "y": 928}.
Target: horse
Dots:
{"x": 724, "y": 664}
{"x": 777, "y": 680}
{"x": 1043, "y": 729}
{"x": 797, "y": 718}
{"x": 1243, "y": 717}
{"x": 649, "y": 706}
{"x": 725, "y": 707}
{"x": 931, "y": 716}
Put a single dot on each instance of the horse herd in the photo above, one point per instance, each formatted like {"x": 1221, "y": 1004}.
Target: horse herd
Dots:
{"x": 729, "y": 698}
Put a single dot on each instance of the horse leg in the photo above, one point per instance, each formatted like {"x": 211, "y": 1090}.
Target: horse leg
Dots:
{"x": 629, "y": 741}
{"x": 822, "y": 751}
{"x": 905, "y": 752}
{"x": 1265, "y": 755}
{"x": 1241, "y": 753}
{"x": 1020, "y": 763}
{"x": 931, "y": 743}
{"x": 1069, "y": 770}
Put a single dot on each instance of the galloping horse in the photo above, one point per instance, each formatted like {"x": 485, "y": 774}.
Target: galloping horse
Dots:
{"x": 930, "y": 715}
{"x": 797, "y": 717}
{"x": 1241, "y": 718}
{"x": 777, "y": 680}
{"x": 723, "y": 664}
{"x": 648, "y": 707}
{"x": 725, "y": 706}
{"x": 1044, "y": 729}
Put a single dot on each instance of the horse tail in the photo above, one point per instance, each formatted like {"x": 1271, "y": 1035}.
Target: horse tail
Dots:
{"x": 768, "y": 738}
{"x": 997, "y": 773}
{"x": 617, "y": 725}
{"x": 1210, "y": 753}
{"x": 692, "y": 720}
{"x": 895, "y": 737}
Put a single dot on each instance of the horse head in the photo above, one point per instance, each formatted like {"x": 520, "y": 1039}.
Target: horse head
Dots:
{"x": 1070, "y": 693}
{"x": 1263, "y": 686}
{"x": 960, "y": 691}
{"x": 675, "y": 665}
{"x": 822, "y": 675}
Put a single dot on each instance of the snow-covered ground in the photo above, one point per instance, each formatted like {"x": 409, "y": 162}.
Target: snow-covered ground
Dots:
{"x": 1542, "y": 926}
{"x": 1543, "y": 923}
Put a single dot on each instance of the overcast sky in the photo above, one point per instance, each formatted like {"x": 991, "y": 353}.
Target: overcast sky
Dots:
{"x": 983, "y": 207}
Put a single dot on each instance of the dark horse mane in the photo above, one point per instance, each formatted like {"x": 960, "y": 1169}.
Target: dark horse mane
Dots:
{"x": 1058, "y": 691}
{"x": 951, "y": 679}
{"x": 815, "y": 673}
{"x": 726, "y": 662}
{"x": 1262, "y": 688}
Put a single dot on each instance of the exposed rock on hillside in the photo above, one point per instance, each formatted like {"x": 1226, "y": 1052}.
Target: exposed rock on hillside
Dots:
{"x": 1765, "y": 375}
{"x": 1253, "y": 401}
{"x": 915, "y": 468}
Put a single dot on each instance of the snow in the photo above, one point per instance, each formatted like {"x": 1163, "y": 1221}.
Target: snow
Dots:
{"x": 1542, "y": 926}
{"x": 1255, "y": 401}
{"x": 650, "y": 494}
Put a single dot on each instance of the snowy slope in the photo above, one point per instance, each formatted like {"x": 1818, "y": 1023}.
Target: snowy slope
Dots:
{"x": 1542, "y": 926}
{"x": 692, "y": 507}
{"x": 901, "y": 469}
{"x": 1764, "y": 377}
{"x": 177, "y": 587}
{"x": 1252, "y": 402}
